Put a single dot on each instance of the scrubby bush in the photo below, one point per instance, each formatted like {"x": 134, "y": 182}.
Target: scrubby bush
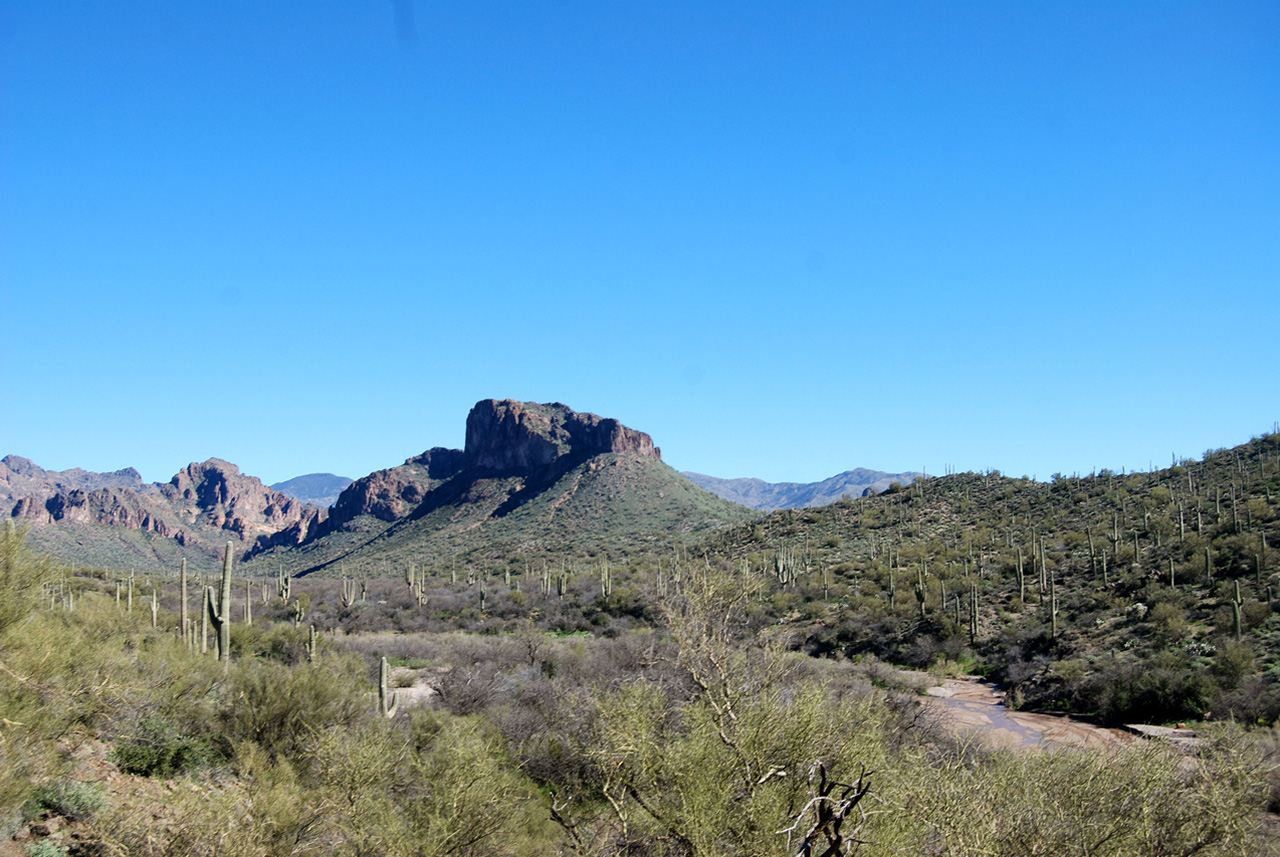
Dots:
{"x": 157, "y": 748}
{"x": 22, "y": 574}
{"x": 72, "y": 800}
{"x": 279, "y": 707}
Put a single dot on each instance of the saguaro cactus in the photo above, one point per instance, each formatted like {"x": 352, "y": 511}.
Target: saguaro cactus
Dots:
{"x": 388, "y": 702}
{"x": 220, "y": 616}
{"x": 606, "y": 579}
{"x": 1236, "y": 603}
{"x": 973, "y": 613}
{"x": 1053, "y": 607}
{"x": 1022, "y": 580}
{"x": 311, "y": 646}
{"x": 186, "y": 632}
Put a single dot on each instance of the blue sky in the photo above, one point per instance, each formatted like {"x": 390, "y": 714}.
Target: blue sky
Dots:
{"x": 785, "y": 239}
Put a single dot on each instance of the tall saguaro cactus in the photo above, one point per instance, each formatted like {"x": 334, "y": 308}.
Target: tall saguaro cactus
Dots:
{"x": 186, "y": 633}
{"x": 388, "y": 701}
{"x": 1236, "y": 603}
{"x": 920, "y": 591}
{"x": 311, "y": 646}
{"x": 1053, "y": 607}
{"x": 973, "y": 613}
{"x": 220, "y": 615}
{"x": 284, "y": 584}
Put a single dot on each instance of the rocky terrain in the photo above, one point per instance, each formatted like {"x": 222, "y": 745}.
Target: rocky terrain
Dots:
{"x": 769, "y": 496}
{"x": 515, "y": 453}
{"x": 532, "y": 478}
{"x": 95, "y": 518}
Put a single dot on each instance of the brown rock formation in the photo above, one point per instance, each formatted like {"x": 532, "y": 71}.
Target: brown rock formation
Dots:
{"x": 533, "y": 441}
{"x": 204, "y": 501}
{"x": 198, "y": 506}
{"x": 523, "y": 436}
{"x": 216, "y": 494}
{"x": 389, "y": 494}
{"x": 21, "y": 477}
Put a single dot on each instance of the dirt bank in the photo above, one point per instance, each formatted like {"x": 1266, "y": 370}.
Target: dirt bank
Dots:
{"x": 973, "y": 706}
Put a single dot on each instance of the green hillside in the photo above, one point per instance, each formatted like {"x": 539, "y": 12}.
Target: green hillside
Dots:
{"x": 1146, "y": 595}
{"x": 614, "y": 504}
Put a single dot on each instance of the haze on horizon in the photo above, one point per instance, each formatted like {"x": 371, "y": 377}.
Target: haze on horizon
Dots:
{"x": 785, "y": 242}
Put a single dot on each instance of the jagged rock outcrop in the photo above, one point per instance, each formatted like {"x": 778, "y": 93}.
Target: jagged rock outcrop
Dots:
{"x": 504, "y": 437}
{"x": 388, "y": 494}
{"x": 199, "y": 505}
{"x": 217, "y": 494}
{"x": 21, "y": 477}
{"x": 507, "y": 436}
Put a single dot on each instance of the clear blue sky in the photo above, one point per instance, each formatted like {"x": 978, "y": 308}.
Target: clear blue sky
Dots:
{"x": 785, "y": 239}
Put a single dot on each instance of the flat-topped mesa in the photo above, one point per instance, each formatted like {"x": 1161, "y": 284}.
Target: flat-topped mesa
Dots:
{"x": 509, "y": 436}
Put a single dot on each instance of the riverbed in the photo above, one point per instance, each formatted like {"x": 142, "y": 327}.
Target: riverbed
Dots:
{"x": 975, "y": 707}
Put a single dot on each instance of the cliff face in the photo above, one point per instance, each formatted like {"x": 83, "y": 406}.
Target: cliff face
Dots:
{"x": 510, "y": 436}
{"x": 200, "y": 504}
{"x": 389, "y": 494}
{"x": 531, "y": 441}
{"x": 203, "y": 502}
{"x": 216, "y": 494}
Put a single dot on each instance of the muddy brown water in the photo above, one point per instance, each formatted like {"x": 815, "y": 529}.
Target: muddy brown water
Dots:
{"x": 975, "y": 707}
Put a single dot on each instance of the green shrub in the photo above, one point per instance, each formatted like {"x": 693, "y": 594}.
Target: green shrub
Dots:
{"x": 71, "y": 800}
{"x": 279, "y": 707}
{"x": 158, "y": 749}
{"x": 21, "y": 576}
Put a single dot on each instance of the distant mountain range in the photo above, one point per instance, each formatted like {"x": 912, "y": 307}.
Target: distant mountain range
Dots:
{"x": 533, "y": 481}
{"x": 117, "y": 520}
{"x": 318, "y": 489}
{"x": 768, "y": 496}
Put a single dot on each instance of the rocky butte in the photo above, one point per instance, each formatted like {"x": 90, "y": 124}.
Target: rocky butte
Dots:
{"x": 514, "y": 452}
{"x": 536, "y": 442}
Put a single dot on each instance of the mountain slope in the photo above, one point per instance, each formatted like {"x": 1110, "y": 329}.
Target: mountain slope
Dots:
{"x": 114, "y": 519}
{"x": 1136, "y": 598}
{"x": 768, "y": 496}
{"x": 22, "y": 477}
{"x": 534, "y": 481}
